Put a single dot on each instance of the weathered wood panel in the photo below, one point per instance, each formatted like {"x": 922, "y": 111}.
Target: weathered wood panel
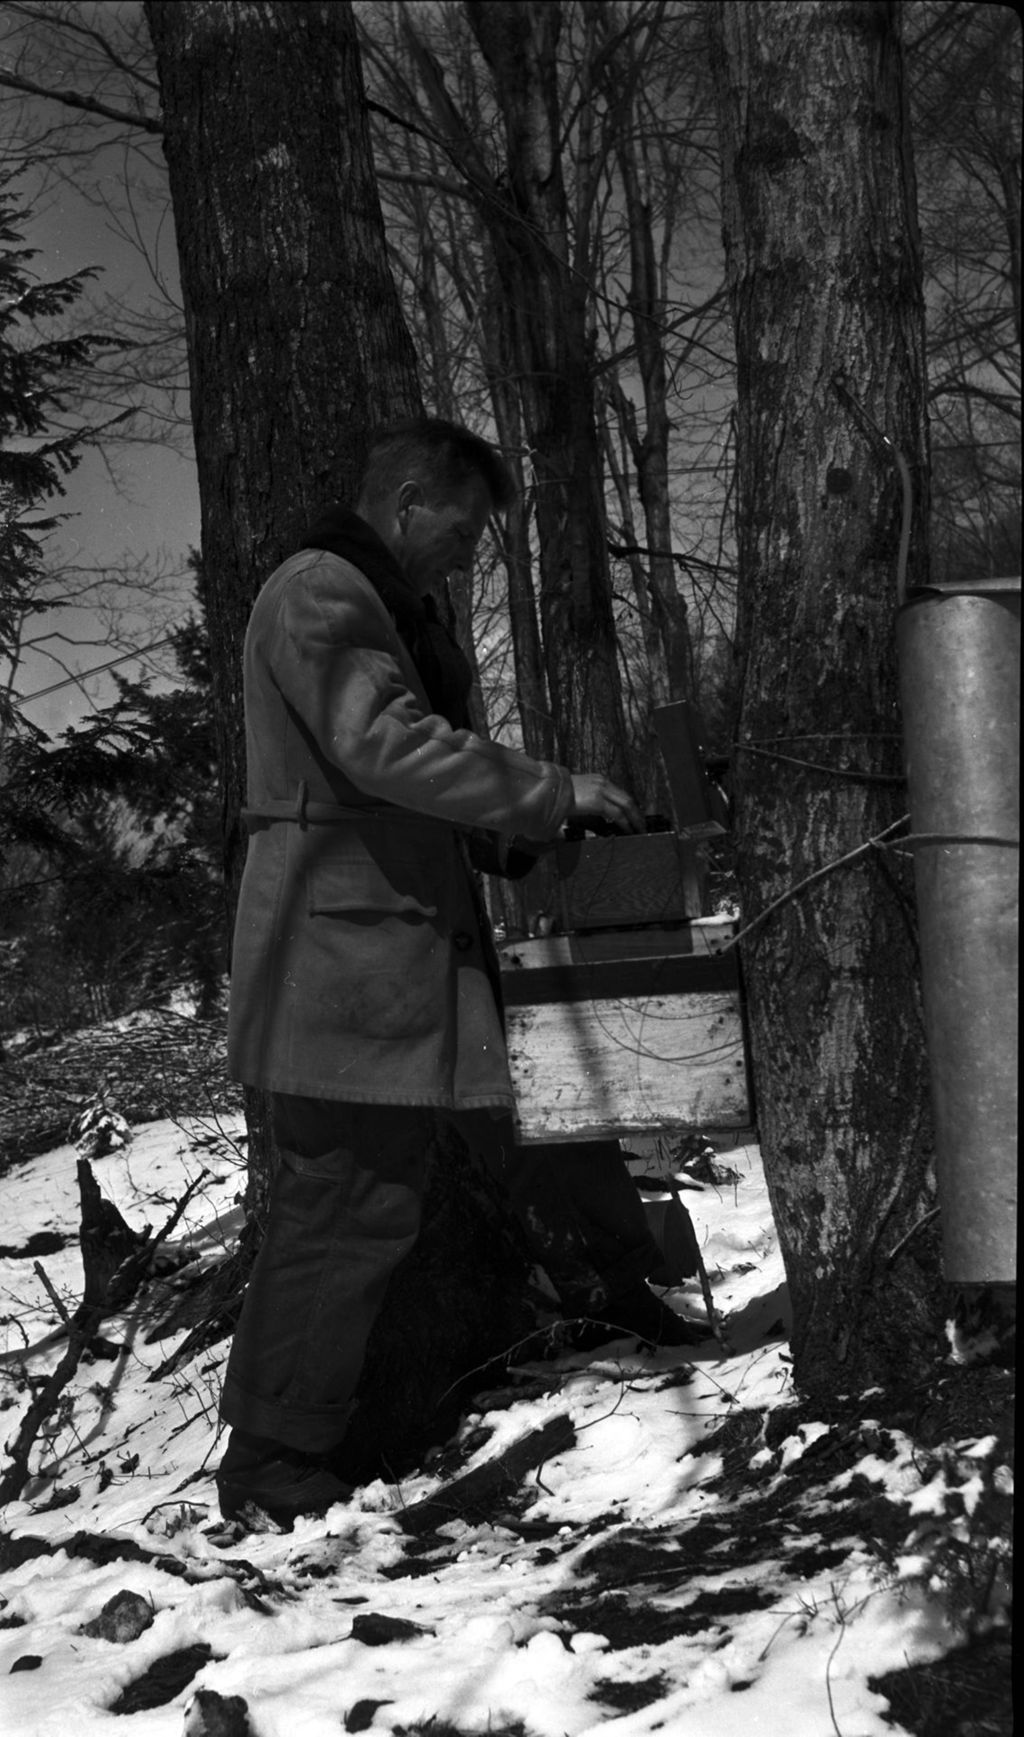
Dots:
{"x": 636, "y": 1064}
{"x": 699, "y": 937}
{"x": 662, "y": 974}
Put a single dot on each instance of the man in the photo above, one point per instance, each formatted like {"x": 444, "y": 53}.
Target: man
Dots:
{"x": 364, "y": 987}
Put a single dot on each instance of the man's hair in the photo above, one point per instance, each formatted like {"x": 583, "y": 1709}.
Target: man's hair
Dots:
{"x": 440, "y": 455}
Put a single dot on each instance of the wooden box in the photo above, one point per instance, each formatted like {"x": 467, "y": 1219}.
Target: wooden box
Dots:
{"x": 612, "y": 1034}
{"x": 633, "y": 878}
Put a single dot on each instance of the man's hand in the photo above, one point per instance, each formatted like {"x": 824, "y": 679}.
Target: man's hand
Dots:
{"x": 597, "y": 798}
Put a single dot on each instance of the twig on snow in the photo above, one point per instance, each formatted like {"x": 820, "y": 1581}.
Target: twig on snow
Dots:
{"x": 81, "y": 1330}
{"x": 58, "y": 1302}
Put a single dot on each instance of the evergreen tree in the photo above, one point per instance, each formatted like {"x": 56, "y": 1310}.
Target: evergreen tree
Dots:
{"x": 121, "y": 820}
{"x": 76, "y": 888}
{"x": 38, "y": 375}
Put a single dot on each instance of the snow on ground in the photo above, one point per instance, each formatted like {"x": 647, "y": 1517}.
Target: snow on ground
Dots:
{"x": 625, "y": 1595}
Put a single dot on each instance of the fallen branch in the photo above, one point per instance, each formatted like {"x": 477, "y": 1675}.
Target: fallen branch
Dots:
{"x": 55, "y": 1297}
{"x": 211, "y": 1312}
{"x": 16, "y": 1476}
{"x": 119, "y": 1286}
{"x": 475, "y": 1491}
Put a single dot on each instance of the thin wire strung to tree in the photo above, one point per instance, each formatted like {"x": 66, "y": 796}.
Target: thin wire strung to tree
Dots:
{"x": 873, "y": 843}
{"x": 850, "y": 773}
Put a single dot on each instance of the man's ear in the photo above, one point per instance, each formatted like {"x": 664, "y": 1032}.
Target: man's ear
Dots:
{"x": 409, "y": 495}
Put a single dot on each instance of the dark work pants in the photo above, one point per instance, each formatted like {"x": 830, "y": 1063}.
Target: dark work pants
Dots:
{"x": 345, "y": 1209}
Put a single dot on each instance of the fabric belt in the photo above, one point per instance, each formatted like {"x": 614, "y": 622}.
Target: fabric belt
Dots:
{"x": 301, "y": 812}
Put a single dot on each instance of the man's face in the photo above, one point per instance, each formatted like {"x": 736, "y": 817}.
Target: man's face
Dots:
{"x": 438, "y": 534}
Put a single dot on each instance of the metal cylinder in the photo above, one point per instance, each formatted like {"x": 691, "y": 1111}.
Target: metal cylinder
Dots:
{"x": 959, "y": 654}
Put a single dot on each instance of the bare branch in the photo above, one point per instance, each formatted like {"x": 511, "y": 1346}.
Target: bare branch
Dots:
{"x": 75, "y": 27}
{"x": 89, "y": 105}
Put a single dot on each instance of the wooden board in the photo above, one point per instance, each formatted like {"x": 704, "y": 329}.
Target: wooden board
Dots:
{"x": 704, "y": 937}
{"x": 699, "y": 809}
{"x": 595, "y": 1069}
{"x": 614, "y": 979}
{"x": 609, "y": 964}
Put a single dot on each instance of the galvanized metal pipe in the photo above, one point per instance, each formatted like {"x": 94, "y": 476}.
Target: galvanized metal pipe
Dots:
{"x": 959, "y": 654}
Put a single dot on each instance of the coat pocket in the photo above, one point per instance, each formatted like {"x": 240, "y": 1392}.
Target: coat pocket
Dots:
{"x": 377, "y": 963}
{"x": 356, "y": 886}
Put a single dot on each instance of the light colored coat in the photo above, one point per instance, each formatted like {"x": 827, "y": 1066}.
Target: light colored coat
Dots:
{"x": 362, "y": 966}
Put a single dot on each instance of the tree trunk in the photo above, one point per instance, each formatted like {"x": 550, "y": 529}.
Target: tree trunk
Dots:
{"x": 527, "y": 651}
{"x": 647, "y": 301}
{"x": 544, "y": 312}
{"x": 296, "y": 341}
{"x": 825, "y": 283}
{"x": 647, "y": 669}
{"x": 296, "y": 347}
{"x": 546, "y": 303}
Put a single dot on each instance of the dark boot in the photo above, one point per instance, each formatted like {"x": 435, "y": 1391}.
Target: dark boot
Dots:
{"x": 641, "y": 1315}
{"x": 278, "y": 1481}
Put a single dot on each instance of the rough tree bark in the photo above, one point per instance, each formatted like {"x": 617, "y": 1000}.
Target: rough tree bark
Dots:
{"x": 825, "y": 283}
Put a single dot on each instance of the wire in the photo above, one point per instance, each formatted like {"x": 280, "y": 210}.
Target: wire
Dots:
{"x": 820, "y": 766}
{"x": 988, "y": 838}
{"x": 879, "y": 839}
{"x": 83, "y": 675}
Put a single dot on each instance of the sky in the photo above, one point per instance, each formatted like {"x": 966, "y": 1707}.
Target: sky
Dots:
{"x": 144, "y": 502}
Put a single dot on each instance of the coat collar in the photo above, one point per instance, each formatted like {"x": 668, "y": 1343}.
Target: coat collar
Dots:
{"x": 443, "y": 669}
